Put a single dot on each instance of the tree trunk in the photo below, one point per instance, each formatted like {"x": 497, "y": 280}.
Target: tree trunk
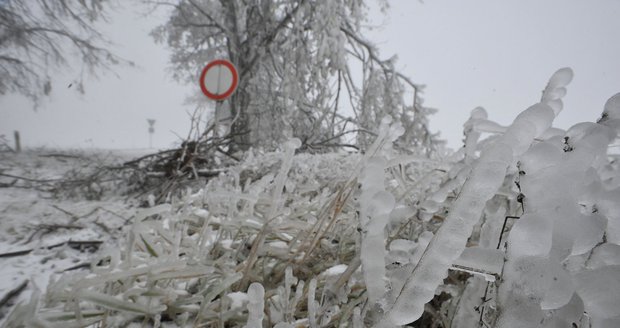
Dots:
{"x": 240, "y": 130}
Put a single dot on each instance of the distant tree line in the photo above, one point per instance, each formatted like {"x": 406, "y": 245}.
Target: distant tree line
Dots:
{"x": 37, "y": 36}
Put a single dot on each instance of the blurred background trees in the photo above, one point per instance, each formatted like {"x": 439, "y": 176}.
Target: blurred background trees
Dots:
{"x": 37, "y": 36}
{"x": 305, "y": 69}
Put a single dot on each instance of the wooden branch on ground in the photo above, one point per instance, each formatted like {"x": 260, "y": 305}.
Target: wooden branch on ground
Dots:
{"x": 62, "y": 155}
{"x": 13, "y": 294}
{"x": 8, "y": 185}
{"x": 71, "y": 215}
{"x": 140, "y": 159}
{"x": 27, "y": 179}
{"x": 78, "y": 266}
{"x": 16, "y": 253}
{"x": 75, "y": 244}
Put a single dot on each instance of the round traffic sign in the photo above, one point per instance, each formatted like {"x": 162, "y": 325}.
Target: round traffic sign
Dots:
{"x": 219, "y": 79}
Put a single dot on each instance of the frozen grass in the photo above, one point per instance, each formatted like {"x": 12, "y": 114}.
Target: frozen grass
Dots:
{"x": 42, "y": 236}
{"x": 288, "y": 223}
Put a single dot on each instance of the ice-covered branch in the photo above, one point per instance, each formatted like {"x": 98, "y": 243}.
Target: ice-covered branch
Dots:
{"x": 569, "y": 216}
{"x": 375, "y": 207}
{"x": 256, "y": 305}
{"x": 484, "y": 181}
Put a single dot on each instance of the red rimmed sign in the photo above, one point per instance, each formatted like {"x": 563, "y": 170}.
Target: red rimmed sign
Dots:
{"x": 219, "y": 79}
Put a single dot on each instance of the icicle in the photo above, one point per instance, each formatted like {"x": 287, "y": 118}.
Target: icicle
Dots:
{"x": 357, "y": 318}
{"x": 375, "y": 207}
{"x": 312, "y": 306}
{"x": 472, "y": 135}
{"x": 289, "y": 281}
{"x": 555, "y": 90}
{"x": 299, "y": 293}
{"x": 256, "y": 304}
{"x": 280, "y": 179}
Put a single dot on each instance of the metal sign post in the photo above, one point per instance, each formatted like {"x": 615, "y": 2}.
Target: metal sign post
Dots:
{"x": 151, "y": 131}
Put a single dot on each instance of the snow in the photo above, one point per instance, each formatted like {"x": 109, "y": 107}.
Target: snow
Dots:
{"x": 604, "y": 255}
{"x": 600, "y": 291}
{"x": 533, "y": 233}
{"x": 31, "y": 221}
{"x": 335, "y": 270}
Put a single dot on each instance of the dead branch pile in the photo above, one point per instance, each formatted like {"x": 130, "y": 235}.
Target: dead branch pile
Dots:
{"x": 93, "y": 176}
{"x": 195, "y": 161}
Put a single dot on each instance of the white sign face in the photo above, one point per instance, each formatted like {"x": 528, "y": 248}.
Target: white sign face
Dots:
{"x": 218, "y": 79}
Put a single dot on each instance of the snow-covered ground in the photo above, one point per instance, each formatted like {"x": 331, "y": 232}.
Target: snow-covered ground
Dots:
{"x": 42, "y": 236}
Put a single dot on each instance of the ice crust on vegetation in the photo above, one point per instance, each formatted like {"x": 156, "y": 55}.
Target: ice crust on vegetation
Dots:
{"x": 375, "y": 207}
{"x": 551, "y": 248}
{"x": 256, "y": 305}
{"x": 485, "y": 179}
{"x": 519, "y": 228}
{"x": 553, "y": 228}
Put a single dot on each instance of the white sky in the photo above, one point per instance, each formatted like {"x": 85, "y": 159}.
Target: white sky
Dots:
{"x": 495, "y": 54}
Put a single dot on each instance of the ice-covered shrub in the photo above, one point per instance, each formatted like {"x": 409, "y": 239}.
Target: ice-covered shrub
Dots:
{"x": 283, "y": 228}
{"x": 560, "y": 190}
{"x": 571, "y": 215}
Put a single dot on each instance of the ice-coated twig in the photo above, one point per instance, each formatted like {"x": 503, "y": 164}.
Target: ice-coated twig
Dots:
{"x": 256, "y": 305}
{"x": 485, "y": 179}
{"x": 375, "y": 207}
{"x": 276, "y": 201}
{"x": 556, "y": 89}
{"x": 376, "y": 204}
{"x": 312, "y": 306}
{"x": 280, "y": 179}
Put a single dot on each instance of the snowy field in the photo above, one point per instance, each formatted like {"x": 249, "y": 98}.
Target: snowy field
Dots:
{"x": 44, "y": 233}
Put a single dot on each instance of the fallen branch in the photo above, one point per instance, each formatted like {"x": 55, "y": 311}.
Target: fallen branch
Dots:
{"x": 78, "y": 266}
{"x": 49, "y": 228}
{"x": 13, "y": 294}
{"x": 28, "y": 179}
{"x": 140, "y": 159}
{"x": 8, "y": 185}
{"x": 75, "y": 244}
{"x": 16, "y": 253}
{"x": 71, "y": 215}
{"x": 62, "y": 155}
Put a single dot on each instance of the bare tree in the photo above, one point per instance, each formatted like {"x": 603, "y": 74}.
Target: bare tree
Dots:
{"x": 296, "y": 72}
{"x": 38, "y": 35}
